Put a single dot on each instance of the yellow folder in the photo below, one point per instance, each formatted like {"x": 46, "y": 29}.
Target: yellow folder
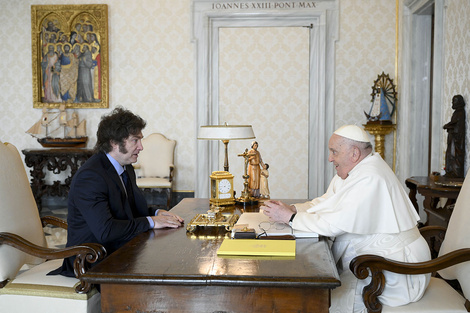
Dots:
{"x": 257, "y": 247}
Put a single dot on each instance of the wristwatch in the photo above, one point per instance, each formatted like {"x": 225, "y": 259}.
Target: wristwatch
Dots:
{"x": 292, "y": 219}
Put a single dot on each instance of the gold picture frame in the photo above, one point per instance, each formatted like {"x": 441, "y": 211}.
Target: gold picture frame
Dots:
{"x": 70, "y": 55}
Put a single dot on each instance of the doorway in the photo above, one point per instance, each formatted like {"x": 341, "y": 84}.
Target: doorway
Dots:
{"x": 421, "y": 89}
{"x": 321, "y": 21}
{"x": 264, "y": 83}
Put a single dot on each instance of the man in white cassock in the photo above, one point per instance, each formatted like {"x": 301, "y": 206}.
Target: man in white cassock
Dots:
{"x": 365, "y": 211}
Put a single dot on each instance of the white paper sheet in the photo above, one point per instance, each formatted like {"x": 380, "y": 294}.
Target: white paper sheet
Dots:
{"x": 261, "y": 224}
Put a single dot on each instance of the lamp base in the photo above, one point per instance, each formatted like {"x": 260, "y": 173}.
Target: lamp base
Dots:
{"x": 246, "y": 201}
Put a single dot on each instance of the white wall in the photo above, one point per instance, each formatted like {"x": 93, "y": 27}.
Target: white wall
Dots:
{"x": 150, "y": 72}
{"x": 151, "y": 68}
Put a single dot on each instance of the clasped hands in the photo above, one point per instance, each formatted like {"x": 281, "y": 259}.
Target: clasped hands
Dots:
{"x": 165, "y": 218}
{"x": 278, "y": 211}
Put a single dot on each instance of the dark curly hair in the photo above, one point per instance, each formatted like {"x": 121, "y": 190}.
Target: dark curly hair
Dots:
{"x": 115, "y": 127}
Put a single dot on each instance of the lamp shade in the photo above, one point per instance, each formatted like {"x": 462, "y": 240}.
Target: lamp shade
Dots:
{"x": 226, "y": 132}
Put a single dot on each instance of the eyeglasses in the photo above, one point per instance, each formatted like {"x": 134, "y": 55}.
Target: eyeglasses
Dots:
{"x": 265, "y": 226}
{"x": 274, "y": 227}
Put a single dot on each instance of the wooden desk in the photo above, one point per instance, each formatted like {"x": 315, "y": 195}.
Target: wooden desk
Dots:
{"x": 56, "y": 161}
{"x": 171, "y": 270}
{"x": 432, "y": 190}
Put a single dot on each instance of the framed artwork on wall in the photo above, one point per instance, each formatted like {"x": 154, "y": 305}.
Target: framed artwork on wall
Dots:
{"x": 70, "y": 55}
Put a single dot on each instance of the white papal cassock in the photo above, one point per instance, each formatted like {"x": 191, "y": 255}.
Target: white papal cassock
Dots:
{"x": 369, "y": 212}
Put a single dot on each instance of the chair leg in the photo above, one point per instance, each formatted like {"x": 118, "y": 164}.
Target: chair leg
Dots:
{"x": 168, "y": 197}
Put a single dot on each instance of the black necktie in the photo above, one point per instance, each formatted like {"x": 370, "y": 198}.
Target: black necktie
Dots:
{"x": 130, "y": 193}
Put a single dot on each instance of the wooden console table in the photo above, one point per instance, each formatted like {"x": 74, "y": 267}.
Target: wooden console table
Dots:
{"x": 170, "y": 270}
{"x": 55, "y": 161}
{"x": 433, "y": 190}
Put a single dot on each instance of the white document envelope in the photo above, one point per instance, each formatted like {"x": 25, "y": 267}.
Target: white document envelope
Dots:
{"x": 256, "y": 219}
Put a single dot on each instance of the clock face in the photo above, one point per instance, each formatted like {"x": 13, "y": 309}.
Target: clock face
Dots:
{"x": 224, "y": 186}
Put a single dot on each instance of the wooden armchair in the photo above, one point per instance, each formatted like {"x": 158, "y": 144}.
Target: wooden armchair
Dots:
{"x": 154, "y": 167}
{"x": 450, "y": 251}
{"x": 22, "y": 242}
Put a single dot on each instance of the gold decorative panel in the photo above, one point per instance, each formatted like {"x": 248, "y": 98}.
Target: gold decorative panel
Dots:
{"x": 70, "y": 55}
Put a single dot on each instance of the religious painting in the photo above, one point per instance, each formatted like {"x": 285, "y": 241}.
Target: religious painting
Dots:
{"x": 70, "y": 55}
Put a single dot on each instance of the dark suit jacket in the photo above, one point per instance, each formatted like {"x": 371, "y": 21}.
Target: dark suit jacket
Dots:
{"x": 98, "y": 210}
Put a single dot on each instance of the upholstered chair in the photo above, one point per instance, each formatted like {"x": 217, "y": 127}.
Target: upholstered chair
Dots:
{"x": 23, "y": 249}
{"x": 155, "y": 167}
{"x": 452, "y": 264}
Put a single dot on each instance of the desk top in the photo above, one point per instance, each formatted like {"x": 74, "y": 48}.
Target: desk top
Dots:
{"x": 440, "y": 185}
{"x": 175, "y": 257}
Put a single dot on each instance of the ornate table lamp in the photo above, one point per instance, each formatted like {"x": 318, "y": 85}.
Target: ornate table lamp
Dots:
{"x": 221, "y": 182}
{"x": 226, "y": 133}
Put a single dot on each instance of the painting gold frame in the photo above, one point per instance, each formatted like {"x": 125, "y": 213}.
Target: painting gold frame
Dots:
{"x": 70, "y": 55}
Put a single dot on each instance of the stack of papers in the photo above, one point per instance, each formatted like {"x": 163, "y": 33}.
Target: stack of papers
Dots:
{"x": 257, "y": 247}
{"x": 261, "y": 224}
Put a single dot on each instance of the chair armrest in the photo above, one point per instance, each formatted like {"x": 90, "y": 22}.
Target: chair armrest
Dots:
{"x": 52, "y": 220}
{"x": 361, "y": 265}
{"x": 85, "y": 253}
{"x": 431, "y": 231}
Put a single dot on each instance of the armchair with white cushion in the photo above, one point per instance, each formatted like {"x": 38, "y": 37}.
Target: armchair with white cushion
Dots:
{"x": 155, "y": 167}
{"x": 23, "y": 247}
{"x": 451, "y": 263}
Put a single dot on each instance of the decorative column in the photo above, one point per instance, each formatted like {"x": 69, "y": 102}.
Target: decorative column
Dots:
{"x": 379, "y": 131}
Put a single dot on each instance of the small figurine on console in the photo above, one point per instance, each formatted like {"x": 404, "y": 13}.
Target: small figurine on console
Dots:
{"x": 379, "y": 111}
{"x": 263, "y": 182}
{"x": 255, "y": 163}
{"x": 455, "y": 153}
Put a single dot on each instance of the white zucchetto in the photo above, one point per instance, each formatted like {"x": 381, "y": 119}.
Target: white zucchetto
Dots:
{"x": 353, "y": 132}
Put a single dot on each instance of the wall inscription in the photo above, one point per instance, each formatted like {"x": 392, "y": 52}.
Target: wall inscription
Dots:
{"x": 263, "y": 5}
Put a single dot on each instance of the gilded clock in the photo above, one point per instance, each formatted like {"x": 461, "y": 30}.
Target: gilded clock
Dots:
{"x": 221, "y": 188}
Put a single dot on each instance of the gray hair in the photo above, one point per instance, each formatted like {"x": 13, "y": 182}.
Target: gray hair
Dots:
{"x": 363, "y": 146}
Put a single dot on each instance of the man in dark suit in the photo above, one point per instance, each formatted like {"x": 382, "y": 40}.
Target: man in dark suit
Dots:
{"x": 101, "y": 207}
